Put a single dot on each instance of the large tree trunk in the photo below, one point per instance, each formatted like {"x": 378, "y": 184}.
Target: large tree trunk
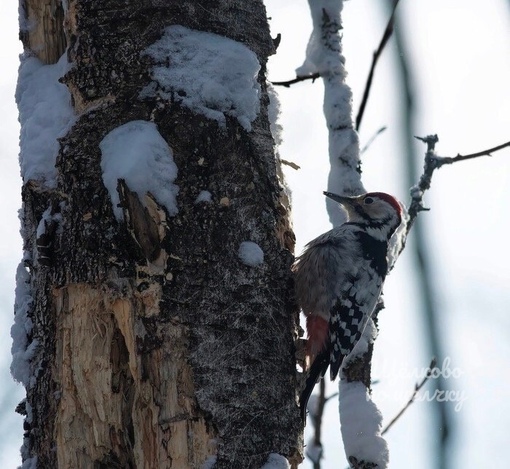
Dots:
{"x": 146, "y": 340}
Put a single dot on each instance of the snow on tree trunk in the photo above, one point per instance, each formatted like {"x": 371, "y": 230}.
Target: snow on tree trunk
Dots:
{"x": 154, "y": 325}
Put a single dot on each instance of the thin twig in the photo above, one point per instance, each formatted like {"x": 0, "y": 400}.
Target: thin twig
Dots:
{"x": 473, "y": 155}
{"x": 290, "y": 163}
{"x": 387, "y": 34}
{"x": 288, "y": 83}
{"x": 332, "y": 396}
{"x": 316, "y": 416}
{"x": 371, "y": 139}
{"x": 417, "y": 387}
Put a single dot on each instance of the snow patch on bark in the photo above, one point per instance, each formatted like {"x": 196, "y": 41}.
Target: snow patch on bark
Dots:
{"x": 137, "y": 153}
{"x": 251, "y": 254}
{"x": 23, "y": 350}
{"x": 204, "y": 196}
{"x": 210, "y": 74}
{"x": 45, "y": 114}
{"x": 209, "y": 463}
{"x": 30, "y": 463}
{"x": 276, "y": 461}
{"x": 274, "y": 114}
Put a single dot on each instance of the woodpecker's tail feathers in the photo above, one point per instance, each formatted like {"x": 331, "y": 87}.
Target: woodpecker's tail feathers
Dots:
{"x": 334, "y": 366}
{"x": 317, "y": 370}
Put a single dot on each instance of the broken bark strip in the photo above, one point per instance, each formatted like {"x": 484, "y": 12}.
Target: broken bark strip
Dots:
{"x": 160, "y": 356}
{"x": 42, "y": 29}
{"x": 115, "y": 399}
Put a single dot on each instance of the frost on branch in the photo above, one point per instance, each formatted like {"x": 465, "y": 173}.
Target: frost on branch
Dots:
{"x": 210, "y": 74}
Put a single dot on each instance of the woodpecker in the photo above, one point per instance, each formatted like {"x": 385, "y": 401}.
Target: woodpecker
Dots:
{"x": 338, "y": 281}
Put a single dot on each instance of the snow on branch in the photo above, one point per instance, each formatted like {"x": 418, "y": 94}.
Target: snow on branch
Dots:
{"x": 361, "y": 420}
{"x": 388, "y": 31}
{"x": 364, "y": 445}
{"x": 324, "y": 57}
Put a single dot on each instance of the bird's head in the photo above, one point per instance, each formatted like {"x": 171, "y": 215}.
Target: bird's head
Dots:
{"x": 373, "y": 209}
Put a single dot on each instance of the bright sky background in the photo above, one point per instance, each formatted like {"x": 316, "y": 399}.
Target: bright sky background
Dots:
{"x": 460, "y": 54}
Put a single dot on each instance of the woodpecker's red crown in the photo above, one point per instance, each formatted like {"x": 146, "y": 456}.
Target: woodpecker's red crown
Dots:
{"x": 374, "y": 206}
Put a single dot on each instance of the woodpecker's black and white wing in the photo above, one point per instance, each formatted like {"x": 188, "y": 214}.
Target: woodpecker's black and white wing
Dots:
{"x": 356, "y": 300}
{"x": 345, "y": 329}
{"x": 346, "y": 324}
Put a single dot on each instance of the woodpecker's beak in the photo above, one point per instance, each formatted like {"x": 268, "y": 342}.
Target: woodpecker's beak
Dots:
{"x": 341, "y": 199}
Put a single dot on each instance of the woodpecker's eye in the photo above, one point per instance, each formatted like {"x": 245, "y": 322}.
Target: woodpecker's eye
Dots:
{"x": 368, "y": 200}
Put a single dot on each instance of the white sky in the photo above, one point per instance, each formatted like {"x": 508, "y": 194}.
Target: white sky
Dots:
{"x": 460, "y": 53}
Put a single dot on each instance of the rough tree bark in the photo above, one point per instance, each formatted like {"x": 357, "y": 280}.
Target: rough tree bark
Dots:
{"x": 156, "y": 346}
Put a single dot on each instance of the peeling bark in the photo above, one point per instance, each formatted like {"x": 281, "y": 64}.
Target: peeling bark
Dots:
{"x": 42, "y": 29}
{"x": 157, "y": 347}
{"x": 118, "y": 407}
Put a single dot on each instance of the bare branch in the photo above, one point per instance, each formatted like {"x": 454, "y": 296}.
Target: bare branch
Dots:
{"x": 290, "y": 163}
{"x": 473, "y": 155}
{"x": 332, "y": 396}
{"x": 433, "y": 162}
{"x": 384, "y": 40}
{"x": 417, "y": 387}
{"x": 316, "y": 417}
{"x": 288, "y": 83}
{"x": 423, "y": 185}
